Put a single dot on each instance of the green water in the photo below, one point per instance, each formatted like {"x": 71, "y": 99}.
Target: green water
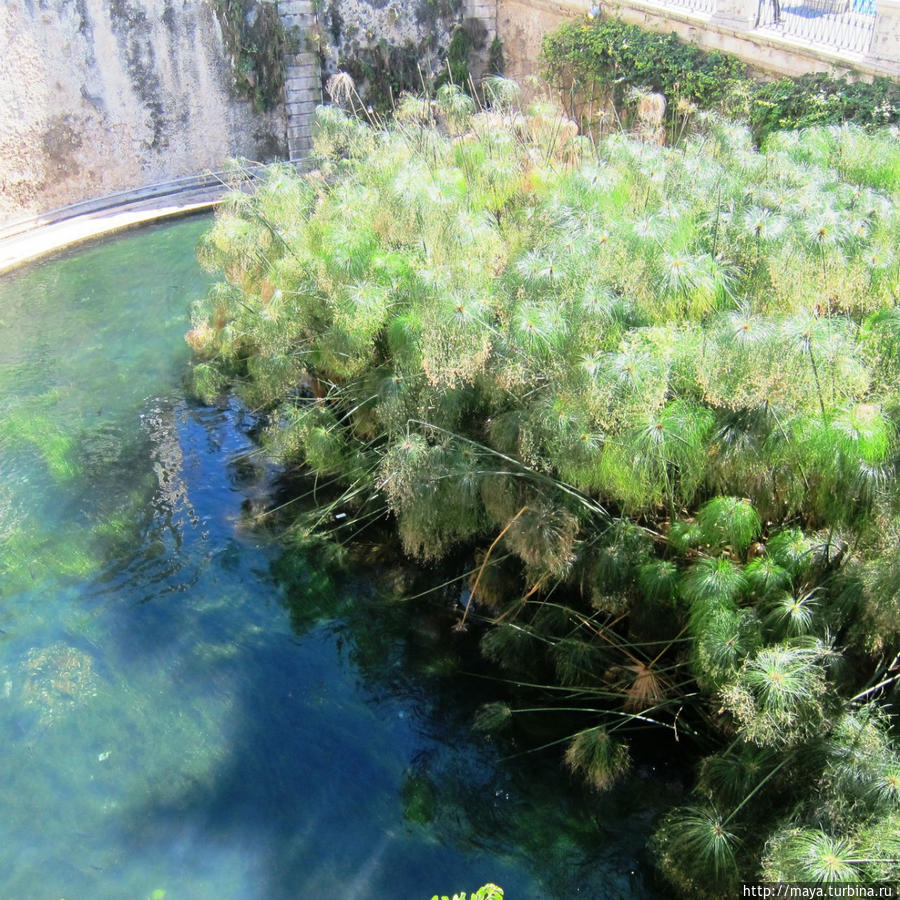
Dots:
{"x": 186, "y": 711}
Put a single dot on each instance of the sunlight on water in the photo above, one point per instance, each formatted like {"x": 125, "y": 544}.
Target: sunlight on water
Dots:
{"x": 178, "y": 722}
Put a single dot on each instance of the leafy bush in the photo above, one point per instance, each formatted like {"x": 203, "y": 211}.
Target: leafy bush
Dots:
{"x": 457, "y": 64}
{"x": 613, "y": 57}
{"x": 820, "y": 99}
{"x": 593, "y": 64}
{"x": 648, "y": 395}
{"x": 487, "y": 892}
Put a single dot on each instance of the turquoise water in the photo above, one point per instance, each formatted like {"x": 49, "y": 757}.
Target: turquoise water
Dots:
{"x": 186, "y": 710}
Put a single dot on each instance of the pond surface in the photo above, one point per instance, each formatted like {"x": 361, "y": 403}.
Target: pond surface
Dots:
{"x": 187, "y": 712}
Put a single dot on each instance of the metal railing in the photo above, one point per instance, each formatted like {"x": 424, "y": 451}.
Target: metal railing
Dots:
{"x": 844, "y": 24}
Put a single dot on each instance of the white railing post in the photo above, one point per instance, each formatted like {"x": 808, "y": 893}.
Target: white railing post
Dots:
{"x": 885, "y": 44}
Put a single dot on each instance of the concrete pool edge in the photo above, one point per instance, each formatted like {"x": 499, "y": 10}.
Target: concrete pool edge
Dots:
{"x": 44, "y": 239}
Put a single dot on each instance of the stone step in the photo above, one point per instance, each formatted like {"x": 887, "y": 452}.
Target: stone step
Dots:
{"x": 301, "y": 89}
{"x": 300, "y": 60}
{"x": 302, "y": 104}
{"x": 299, "y": 152}
{"x": 300, "y": 107}
{"x": 302, "y": 82}
{"x": 306, "y": 90}
{"x": 300, "y": 71}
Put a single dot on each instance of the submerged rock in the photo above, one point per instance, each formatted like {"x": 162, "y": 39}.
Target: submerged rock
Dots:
{"x": 58, "y": 679}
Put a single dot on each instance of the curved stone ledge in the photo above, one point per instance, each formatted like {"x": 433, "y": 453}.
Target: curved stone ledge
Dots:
{"x": 42, "y": 235}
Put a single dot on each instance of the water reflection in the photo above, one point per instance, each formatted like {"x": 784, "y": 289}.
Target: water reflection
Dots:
{"x": 190, "y": 708}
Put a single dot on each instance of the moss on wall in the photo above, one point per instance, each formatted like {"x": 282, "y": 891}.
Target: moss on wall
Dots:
{"x": 388, "y": 46}
{"x": 456, "y": 67}
{"x": 133, "y": 32}
{"x": 496, "y": 59}
{"x": 383, "y": 72}
{"x": 256, "y": 41}
{"x": 431, "y": 12}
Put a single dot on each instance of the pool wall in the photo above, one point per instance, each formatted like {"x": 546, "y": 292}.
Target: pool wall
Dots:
{"x": 106, "y": 95}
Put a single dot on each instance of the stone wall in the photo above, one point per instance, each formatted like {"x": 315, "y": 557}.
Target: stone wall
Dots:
{"x": 522, "y": 25}
{"x": 374, "y": 39}
{"x": 480, "y": 17}
{"x": 391, "y": 45}
{"x": 108, "y": 95}
{"x": 302, "y": 75}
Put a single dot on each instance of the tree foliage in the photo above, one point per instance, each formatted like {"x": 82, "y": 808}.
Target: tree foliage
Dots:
{"x": 602, "y": 70}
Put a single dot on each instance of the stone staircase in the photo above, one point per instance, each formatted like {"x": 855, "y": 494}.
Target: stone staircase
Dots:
{"x": 485, "y": 12}
{"x": 302, "y": 84}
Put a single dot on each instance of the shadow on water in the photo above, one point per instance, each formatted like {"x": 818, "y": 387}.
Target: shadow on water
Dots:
{"x": 348, "y": 770}
{"x": 191, "y": 709}
{"x": 336, "y": 764}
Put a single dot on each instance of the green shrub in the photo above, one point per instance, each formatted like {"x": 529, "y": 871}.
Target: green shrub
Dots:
{"x": 602, "y": 62}
{"x": 487, "y": 892}
{"x": 646, "y": 397}
{"x": 605, "y": 59}
{"x": 821, "y": 99}
{"x": 456, "y": 70}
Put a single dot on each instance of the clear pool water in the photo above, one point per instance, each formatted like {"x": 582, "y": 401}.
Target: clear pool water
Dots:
{"x": 186, "y": 711}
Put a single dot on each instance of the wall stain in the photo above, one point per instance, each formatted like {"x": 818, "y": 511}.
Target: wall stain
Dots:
{"x": 107, "y": 95}
{"x": 134, "y": 34}
{"x": 86, "y": 30}
{"x": 95, "y": 100}
{"x": 168, "y": 16}
{"x": 59, "y": 141}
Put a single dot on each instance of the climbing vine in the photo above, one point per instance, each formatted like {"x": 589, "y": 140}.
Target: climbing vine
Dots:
{"x": 256, "y": 41}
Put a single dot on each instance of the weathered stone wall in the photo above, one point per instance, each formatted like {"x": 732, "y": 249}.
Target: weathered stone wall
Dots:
{"x": 392, "y": 45}
{"x": 107, "y": 95}
{"x": 302, "y": 81}
{"x": 522, "y": 25}
{"x": 104, "y": 95}
{"x": 481, "y": 19}
{"x": 386, "y": 38}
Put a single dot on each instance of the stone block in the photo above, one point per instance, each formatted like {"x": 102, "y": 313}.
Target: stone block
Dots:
{"x": 298, "y": 111}
{"x": 301, "y": 89}
{"x": 886, "y": 39}
{"x": 737, "y": 14}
